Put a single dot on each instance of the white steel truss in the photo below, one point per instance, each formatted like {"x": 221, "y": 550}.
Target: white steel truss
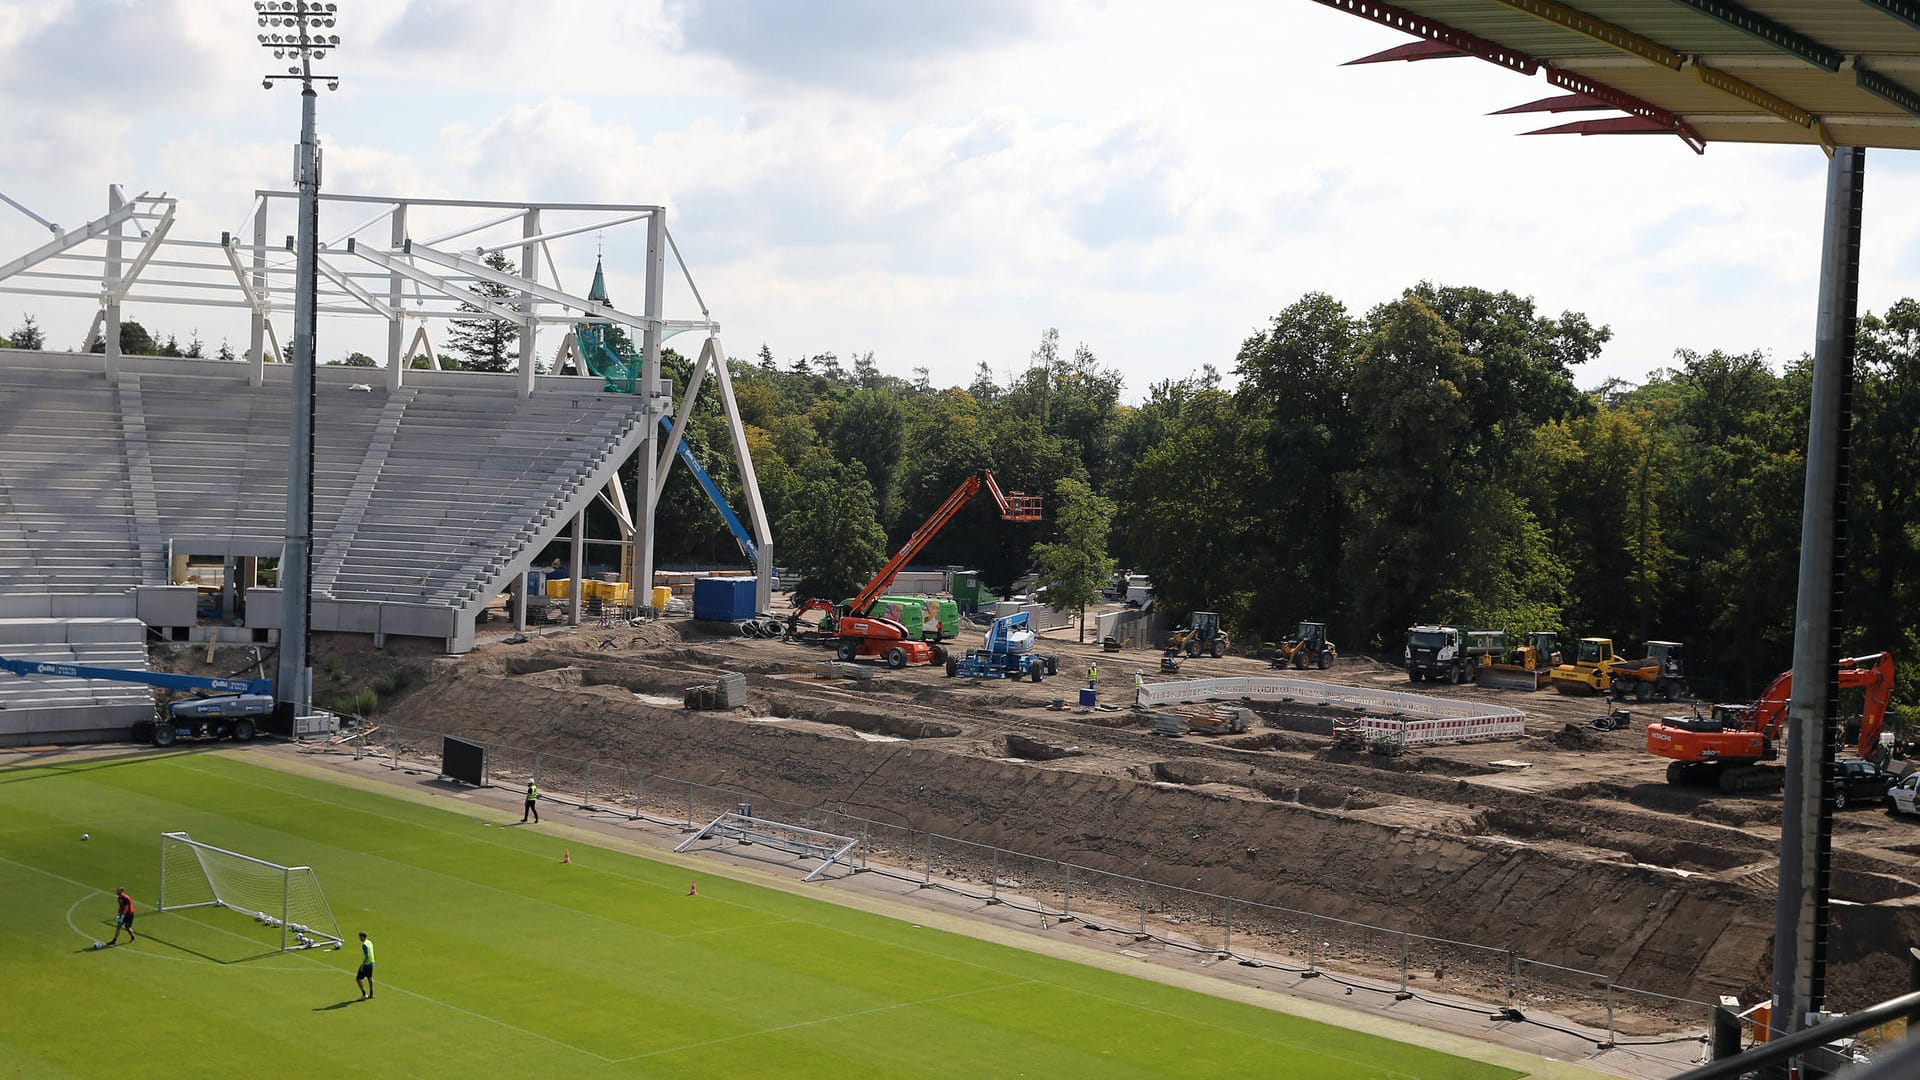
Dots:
{"x": 127, "y": 255}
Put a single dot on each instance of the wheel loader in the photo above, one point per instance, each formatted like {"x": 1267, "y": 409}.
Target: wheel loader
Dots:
{"x": 1308, "y": 647}
{"x": 1203, "y": 635}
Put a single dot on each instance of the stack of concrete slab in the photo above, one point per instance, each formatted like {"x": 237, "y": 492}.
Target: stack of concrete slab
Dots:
{"x": 52, "y": 708}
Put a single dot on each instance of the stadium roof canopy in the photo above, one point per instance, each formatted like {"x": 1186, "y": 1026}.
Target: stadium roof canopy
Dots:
{"x": 1824, "y": 72}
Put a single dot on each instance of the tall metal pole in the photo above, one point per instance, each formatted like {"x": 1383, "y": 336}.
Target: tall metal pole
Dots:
{"x": 293, "y": 31}
{"x": 295, "y": 682}
{"x": 1800, "y": 926}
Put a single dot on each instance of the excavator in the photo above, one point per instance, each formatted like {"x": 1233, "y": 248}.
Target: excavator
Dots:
{"x": 1726, "y": 746}
{"x": 857, "y": 632}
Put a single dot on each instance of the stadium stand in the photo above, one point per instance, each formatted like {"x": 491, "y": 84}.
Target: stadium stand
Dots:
{"x": 428, "y": 499}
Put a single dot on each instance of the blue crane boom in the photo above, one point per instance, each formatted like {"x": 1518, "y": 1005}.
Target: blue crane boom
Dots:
{"x": 740, "y": 534}
{"x": 161, "y": 679}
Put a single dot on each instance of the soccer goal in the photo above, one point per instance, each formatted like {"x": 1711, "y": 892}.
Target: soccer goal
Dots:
{"x": 286, "y": 898}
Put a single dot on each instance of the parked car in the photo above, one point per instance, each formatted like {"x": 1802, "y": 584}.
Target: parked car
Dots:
{"x": 1901, "y": 797}
{"x": 1857, "y": 781}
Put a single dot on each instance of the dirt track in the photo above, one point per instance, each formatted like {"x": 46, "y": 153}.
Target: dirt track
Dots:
{"x": 1582, "y": 856}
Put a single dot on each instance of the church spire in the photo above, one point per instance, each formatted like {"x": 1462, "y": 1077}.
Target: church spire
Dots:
{"x": 599, "y": 291}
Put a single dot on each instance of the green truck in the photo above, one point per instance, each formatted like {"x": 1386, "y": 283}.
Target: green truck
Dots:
{"x": 927, "y": 618}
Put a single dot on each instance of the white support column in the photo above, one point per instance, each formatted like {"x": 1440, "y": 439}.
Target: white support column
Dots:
{"x": 644, "y": 502}
{"x": 749, "y": 478}
{"x": 577, "y": 563}
{"x": 397, "y": 325}
{"x": 111, "y": 331}
{"x": 530, "y": 270}
{"x": 257, "y": 342}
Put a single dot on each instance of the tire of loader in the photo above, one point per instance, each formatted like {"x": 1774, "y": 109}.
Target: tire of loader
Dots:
{"x": 1300, "y": 659}
{"x": 1218, "y": 650}
{"x": 1323, "y": 661}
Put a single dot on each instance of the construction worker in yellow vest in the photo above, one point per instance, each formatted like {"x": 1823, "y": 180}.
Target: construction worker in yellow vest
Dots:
{"x": 1093, "y": 672}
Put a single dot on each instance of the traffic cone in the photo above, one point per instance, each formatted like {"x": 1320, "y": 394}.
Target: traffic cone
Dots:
{"x": 566, "y": 856}
{"x": 693, "y": 888}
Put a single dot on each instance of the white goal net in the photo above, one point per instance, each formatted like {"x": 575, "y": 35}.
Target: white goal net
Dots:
{"x": 285, "y": 898}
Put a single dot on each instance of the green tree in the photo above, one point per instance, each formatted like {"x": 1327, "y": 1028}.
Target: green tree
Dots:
{"x": 355, "y": 359}
{"x": 487, "y": 343}
{"x": 134, "y": 341}
{"x": 870, "y": 428}
{"x": 1075, "y": 567}
{"x": 27, "y": 335}
{"x": 1407, "y": 531}
{"x": 833, "y": 538}
{"x": 1297, "y": 375}
{"x": 1191, "y": 515}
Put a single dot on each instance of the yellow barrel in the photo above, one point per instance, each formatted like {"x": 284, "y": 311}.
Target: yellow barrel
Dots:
{"x": 661, "y": 594}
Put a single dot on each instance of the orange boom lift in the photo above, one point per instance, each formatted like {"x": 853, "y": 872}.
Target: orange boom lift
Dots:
{"x": 861, "y": 634}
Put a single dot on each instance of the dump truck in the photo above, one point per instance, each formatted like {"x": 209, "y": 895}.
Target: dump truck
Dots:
{"x": 1659, "y": 674}
{"x": 1524, "y": 667}
{"x": 1436, "y": 652}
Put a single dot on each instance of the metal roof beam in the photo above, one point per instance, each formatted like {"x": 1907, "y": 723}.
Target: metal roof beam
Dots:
{"x": 1886, "y": 89}
{"x": 1421, "y": 26}
{"x": 1612, "y": 125}
{"x": 1907, "y": 11}
{"x": 1412, "y": 50}
{"x": 1627, "y": 103}
{"x": 1605, "y": 33}
{"x": 1559, "y": 103}
{"x": 1765, "y": 29}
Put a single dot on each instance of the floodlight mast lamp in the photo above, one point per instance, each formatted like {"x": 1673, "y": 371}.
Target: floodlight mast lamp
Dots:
{"x": 293, "y": 29}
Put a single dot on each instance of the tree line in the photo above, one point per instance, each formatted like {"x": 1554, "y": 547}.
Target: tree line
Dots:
{"x": 1431, "y": 459}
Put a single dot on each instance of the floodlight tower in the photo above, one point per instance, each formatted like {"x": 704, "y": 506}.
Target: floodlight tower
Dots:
{"x": 293, "y": 30}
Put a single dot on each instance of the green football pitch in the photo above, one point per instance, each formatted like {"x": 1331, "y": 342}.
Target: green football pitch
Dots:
{"x": 496, "y": 959}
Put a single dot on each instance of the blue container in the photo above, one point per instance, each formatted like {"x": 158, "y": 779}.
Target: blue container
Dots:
{"x": 1086, "y": 696}
{"x": 723, "y": 599}
{"x": 536, "y": 583}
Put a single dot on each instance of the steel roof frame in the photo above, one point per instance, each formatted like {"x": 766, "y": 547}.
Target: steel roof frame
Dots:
{"x": 422, "y": 282}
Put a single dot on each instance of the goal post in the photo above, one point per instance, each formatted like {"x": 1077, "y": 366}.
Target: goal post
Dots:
{"x": 287, "y": 898}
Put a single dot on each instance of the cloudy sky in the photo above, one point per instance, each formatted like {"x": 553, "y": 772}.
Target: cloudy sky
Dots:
{"x": 939, "y": 181}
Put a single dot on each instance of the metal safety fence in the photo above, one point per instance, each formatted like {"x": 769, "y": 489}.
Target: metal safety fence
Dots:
{"x": 1400, "y": 962}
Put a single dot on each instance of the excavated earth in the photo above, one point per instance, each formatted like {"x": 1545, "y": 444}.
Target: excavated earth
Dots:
{"x": 1566, "y": 846}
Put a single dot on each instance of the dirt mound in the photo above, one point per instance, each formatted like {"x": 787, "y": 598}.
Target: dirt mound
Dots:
{"x": 1584, "y": 859}
{"x": 1576, "y": 737}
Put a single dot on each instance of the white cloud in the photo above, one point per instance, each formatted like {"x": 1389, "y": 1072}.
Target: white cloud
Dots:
{"x": 938, "y": 183}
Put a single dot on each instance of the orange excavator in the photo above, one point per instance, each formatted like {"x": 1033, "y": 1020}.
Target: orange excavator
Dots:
{"x": 858, "y": 633}
{"x": 1726, "y": 746}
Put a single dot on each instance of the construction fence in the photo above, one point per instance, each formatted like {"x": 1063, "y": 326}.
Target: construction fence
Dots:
{"x": 1383, "y": 960}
